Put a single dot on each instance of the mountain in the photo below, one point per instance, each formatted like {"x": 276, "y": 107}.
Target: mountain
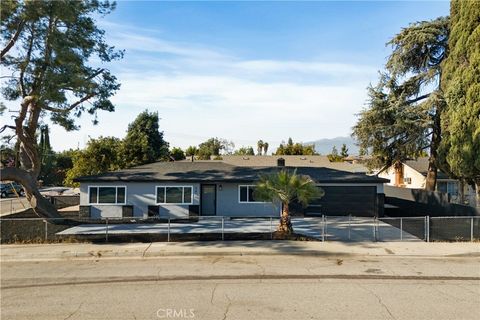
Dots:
{"x": 324, "y": 146}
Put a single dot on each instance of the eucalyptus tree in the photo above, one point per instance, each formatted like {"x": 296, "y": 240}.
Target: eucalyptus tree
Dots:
{"x": 403, "y": 113}
{"x": 54, "y": 57}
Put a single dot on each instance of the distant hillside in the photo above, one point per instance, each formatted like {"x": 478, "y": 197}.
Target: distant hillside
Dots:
{"x": 324, "y": 146}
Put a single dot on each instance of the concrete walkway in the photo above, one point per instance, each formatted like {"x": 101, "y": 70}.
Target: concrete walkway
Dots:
{"x": 357, "y": 229}
{"x": 236, "y": 248}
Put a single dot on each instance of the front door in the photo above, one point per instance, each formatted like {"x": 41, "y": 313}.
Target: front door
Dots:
{"x": 208, "y": 199}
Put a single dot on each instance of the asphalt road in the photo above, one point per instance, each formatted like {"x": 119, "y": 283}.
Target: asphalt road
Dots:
{"x": 243, "y": 287}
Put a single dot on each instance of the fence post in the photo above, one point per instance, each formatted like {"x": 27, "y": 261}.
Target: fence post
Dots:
{"x": 349, "y": 233}
{"x": 471, "y": 229}
{"x": 223, "y": 225}
{"x": 106, "y": 229}
{"x": 374, "y": 231}
{"x": 46, "y": 230}
{"x": 324, "y": 229}
{"x": 168, "y": 230}
{"x": 427, "y": 228}
{"x": 401, "y": 229}
{"x": 271, "y": 231}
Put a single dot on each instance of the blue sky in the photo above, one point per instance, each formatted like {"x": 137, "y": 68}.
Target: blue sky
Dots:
{"x": 247, "y": 70}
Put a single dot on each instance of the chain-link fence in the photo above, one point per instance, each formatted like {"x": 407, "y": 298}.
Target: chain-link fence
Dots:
{"x": 454, "y": 228}
{"x": 323, "y": 228}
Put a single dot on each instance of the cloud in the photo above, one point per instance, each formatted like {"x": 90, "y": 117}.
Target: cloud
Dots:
{"x": 241, "y": 110}
{"x": 202, "y": 91}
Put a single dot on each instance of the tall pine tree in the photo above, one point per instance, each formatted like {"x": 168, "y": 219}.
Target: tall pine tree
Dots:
{"x": 403, "y": 115}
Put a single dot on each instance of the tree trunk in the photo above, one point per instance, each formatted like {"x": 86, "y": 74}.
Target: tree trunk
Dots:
{"x": 431, "y": 182}
{"x": 461, "y": 191}
{"x": 39, "y": 204}
{"x": 285, "y": 222}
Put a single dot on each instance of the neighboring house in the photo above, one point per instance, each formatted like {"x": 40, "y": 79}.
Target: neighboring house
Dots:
{"x": 413, "y": 174}
{"x": 184, "y": 189}
{"x": 294, "y": 161}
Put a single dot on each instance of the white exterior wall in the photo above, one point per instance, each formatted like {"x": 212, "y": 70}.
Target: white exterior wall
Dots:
{"x": 418, "y": 180}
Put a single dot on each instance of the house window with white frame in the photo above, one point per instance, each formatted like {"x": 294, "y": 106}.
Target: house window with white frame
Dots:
{"x": 174, "y": 195}
{"x": 246, "y": 194}
{"x": 107, "y": 195}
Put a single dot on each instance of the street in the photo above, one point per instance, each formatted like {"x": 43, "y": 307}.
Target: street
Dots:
{"x": 243, "y": 287}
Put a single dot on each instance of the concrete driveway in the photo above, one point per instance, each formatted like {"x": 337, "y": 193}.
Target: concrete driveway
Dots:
{"x": 336, "y": 229}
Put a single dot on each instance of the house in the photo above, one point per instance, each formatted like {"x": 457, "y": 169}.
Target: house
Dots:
{"x": 185, "y": 188}
{"x": 295, "y": 161}
{"x": 413, "y": 174}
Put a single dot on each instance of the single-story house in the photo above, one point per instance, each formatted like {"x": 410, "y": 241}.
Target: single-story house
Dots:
{"x": 413, "y": 174}
{"x": 208, "y": 188}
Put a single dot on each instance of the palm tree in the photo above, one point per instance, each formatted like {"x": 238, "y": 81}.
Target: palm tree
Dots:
{"x": 265, "y": 148}
{"x": 259, "y": 147}
{"x": 285, "y": 187}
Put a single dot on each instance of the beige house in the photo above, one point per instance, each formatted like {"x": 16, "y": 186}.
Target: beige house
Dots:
{"x": 413, "y": 174}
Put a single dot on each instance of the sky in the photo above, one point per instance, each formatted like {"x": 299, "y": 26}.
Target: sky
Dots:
{"x": 245, "y": 71}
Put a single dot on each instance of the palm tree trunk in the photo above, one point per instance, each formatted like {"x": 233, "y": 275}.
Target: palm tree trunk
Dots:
{"x": 285, "y": 222}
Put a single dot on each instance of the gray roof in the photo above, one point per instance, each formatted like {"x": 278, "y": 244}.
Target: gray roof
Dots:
{"x": 421, "y": 165}
{"x": 293, "y": 161}
{"x": 220, "y": 171}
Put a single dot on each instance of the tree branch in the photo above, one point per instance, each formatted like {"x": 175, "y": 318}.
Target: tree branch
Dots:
{"x": 99, "y": 71}
{"x": 72, "y": 106}
{"x": 418, "y": 98}
{"x": 7, "y": 127}
{"x": 14, "y": 39}
{"x": 27, "y": 61}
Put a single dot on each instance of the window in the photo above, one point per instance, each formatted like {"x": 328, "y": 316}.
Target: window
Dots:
{"x": 246, "y": 194}
{"x": 107, "y": 195}
{"x": 175, "y": 194}
{"x": 450, "y": 187}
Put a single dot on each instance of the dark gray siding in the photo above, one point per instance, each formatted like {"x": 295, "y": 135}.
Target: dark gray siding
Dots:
{"x": 344, "y": 200}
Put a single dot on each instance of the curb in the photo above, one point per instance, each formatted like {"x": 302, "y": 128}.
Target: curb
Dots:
{"x": 96, "y": 255}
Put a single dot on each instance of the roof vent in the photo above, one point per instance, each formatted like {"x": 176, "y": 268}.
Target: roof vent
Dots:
{"x": 280, "y": 162}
